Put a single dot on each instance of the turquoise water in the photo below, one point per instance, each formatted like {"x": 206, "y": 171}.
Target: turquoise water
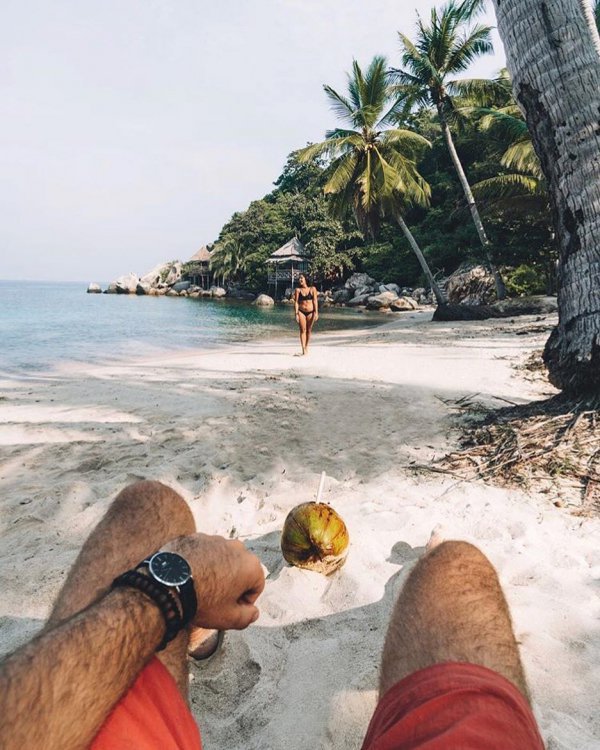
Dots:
{"x": 43, "y": 324}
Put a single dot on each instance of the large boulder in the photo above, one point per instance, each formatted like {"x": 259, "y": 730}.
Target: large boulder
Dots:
{"x": 471, "y": 286}
{"x": 358, "y": 280}
{"x": 127, "y": 284}
{"x": 381, "y": 301}
{"x": 182, "y": 286}
{"x": 164, "y": 273}
{"x": 94, "y": 289}
{"x": 403, "y": 303}
{"x": 361, "y": 299}
{"x": 342, "y": 295}
{"x": 263, "y": 300}
{"x": 142, "y": 288}
{"x": 390, "y": 288}
{"x": 217, "y": 291}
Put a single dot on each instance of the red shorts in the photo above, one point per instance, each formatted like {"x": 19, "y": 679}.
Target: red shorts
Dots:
{"x": 445, "y": 707}
{"x": 152, "y": 715}
{"x": 453, "y": 707}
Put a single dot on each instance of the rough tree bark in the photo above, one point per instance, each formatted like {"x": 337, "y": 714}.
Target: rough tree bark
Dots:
{"x": 552, "y": 51}
{"x": 437, "y": 292}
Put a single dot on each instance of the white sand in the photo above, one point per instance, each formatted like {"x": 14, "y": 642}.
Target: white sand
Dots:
{"x": 243, "y": 434}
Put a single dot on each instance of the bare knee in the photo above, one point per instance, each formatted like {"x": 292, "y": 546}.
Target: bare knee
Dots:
{"x": 148, "y": 499}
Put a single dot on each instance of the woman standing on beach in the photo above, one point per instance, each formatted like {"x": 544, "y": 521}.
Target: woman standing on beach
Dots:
{"x": 306, "y": 306}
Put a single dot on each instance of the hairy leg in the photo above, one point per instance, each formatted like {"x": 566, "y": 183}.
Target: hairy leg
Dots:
{"x": 302, "y": 325}
{"x": 142, "y": 518}
{"x": 451, "y": 609}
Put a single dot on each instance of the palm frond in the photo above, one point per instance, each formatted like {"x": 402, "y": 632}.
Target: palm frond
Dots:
{"x": 522, "y": 156}
{"x": 480, "y": 92}
{"x": 509, "y": 185}
{"x": 344, "y": 171}
{"x": 339, "y": 104}
{"x": 467, "y": 48}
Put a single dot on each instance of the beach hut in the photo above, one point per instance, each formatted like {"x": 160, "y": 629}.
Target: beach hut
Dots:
{"x": 286, "y": 264}
{"x": 198, "y": 268}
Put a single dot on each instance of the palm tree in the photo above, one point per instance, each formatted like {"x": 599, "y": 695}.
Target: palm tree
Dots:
{"x": 228, "y": 260}
{"x": 525, "y": 178}
{"x": 444, "y": 48}
{"x": 552, "y": 55}
{"x": 372, "y": 167}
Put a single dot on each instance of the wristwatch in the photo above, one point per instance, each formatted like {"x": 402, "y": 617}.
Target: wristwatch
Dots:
{"x": 166, "y": 578}
{"x": 170, "y": 569}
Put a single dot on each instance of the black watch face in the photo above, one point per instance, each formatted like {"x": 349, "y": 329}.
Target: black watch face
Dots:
{"x": 169, "y": 568}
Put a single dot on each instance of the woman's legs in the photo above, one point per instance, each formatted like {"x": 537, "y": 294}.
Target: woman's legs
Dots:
{"x": 310, "y": 320}
{"x": 302, "y": 326}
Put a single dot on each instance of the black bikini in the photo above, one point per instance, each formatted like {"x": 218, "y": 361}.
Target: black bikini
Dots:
{"x": 305, "y": 298}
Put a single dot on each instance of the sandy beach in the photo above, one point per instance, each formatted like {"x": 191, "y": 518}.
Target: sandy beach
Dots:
{"x": 243, "y": 434}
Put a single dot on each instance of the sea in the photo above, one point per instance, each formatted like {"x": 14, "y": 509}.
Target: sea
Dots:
{"x": 46, "y": 324}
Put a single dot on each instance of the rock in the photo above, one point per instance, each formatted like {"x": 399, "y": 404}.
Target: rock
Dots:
{"x": 182, "y": 286}
{"x": 342, "y": 295}
{"x": 403, "y": 303}
{"x": 471, "y": 286}
{"x": 364, "y": 290}
{"x": 111, "y": 288}
{"x": 126, "y": 284}
{"x": 361, "y": 299}
{"x": 263, "y": 300}
{"x": 217, "y": 291}
{"x": 420, "y": 294}
{"x": 94, "y": 289}
{"x": 142, "y": 288}
{"x": 241, "y": 294}
{"x": 154, "y": 292}
{"x": 195, "y": 295}
{"x": 381, "y": 301}
{"x": 358, "y": 280}
{"x": 390, "y": 288}
{"x": 172, "y": 293}
{"x": 164, "y": 273}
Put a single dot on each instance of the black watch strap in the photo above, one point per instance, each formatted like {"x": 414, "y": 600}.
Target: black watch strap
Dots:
{"x": 186, "y": 594}
{"x": 189, "y": 601}
{"x": 161, "y": 595}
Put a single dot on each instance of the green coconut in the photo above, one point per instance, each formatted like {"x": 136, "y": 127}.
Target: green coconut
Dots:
{"x": 315, "y": 537}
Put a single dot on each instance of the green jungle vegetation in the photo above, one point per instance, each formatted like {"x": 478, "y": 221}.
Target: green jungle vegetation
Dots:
{"x": 385, "y": 183}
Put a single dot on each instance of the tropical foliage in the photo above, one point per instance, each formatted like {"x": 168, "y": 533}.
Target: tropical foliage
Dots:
{"x": 394, "y": 157}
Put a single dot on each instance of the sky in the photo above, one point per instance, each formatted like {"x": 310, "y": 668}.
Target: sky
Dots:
{"x": 131, "y": 130}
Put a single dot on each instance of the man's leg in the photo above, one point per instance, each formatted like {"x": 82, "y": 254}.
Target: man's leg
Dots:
{"x": 451, "y": 609}
{"x": 142, "y": 518}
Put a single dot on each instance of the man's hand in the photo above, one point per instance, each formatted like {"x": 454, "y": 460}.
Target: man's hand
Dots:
{"x": 228, "y": 579}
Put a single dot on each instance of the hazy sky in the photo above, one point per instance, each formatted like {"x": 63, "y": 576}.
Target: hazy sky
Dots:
{"x": 131, "y": 130}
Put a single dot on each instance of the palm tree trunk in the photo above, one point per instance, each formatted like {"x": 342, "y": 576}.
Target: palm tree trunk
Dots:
{"x": 552, "y": 52}
{"x": 483, "y": 238}
{"x": 439, "y": 295}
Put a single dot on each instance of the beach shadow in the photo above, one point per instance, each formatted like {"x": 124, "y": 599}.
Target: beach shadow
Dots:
{"x": 324, "y": 670}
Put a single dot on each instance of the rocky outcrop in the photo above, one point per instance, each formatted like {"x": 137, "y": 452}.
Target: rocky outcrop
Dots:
{"x": 403, "y": 303}
{"x": 505, "y": 309}
{"x": 181, "y": 286}
{"x": 217, "y": 292}
{"x": 471, "y": 285}
{"x": 360, "y": 281}
{"x": 342, "y": 295}
{"x": 94, "y": 289}
{"x": 263, "y": 300}
{"x": 381, "y": 301}
{"x": 165, "y": 274}
{"x": 127, "y": 284}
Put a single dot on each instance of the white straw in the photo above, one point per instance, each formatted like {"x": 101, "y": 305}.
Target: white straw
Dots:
{"x": 321, "y": 485}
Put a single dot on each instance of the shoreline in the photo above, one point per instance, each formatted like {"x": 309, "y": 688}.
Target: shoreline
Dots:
{"x": 238, "y": 432}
